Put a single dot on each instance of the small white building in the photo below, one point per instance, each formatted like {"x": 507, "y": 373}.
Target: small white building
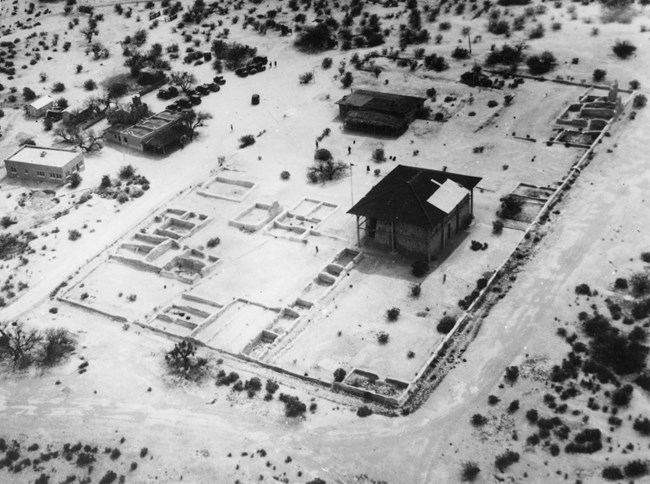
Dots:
{"x": 39, "y": 107}
{"x": 43, "y": 164}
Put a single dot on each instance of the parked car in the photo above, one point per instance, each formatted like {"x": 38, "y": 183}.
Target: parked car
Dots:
{"x": 241, "y": 72}
{"x": 214, "y": 87}
{"x": 219, "y": 80}
{"x": 195, "y": 100}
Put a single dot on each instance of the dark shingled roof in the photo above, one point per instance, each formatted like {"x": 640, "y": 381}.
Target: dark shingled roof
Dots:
{"x": 402, "y": 196}
{"x": 384, "y": 102}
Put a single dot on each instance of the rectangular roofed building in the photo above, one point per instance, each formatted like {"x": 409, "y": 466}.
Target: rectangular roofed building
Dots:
{"x": 43, "y": 164}
{"x": 378, "y": 112}
{"x": 416, "y": 211}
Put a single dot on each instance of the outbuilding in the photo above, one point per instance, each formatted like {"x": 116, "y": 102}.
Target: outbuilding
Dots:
{"x": 378, "y": 112}
{"x": 40, "y": 106}
{"x": 415, "y": 211}
{"x": 38, "y": 163}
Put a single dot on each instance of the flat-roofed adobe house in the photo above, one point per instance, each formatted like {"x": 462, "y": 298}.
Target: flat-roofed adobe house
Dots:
{"x": 416, "y": 211}
{"x": 39, "y": 107}
{"x": 378, "y": 112}
{"x": 156, "y": 133}
{"x": 43, "y": 164}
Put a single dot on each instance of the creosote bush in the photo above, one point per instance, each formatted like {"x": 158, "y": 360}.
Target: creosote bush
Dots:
{"x": 392, "y": 314}
{"x": 246, "y": 140}
{"x": 469, "y": 472}
{"x": 623, "y": 49}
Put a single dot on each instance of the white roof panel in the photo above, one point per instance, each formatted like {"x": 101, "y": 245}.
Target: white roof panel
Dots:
{"x": 448, "y": 196}
{"x": 42, "y": 102}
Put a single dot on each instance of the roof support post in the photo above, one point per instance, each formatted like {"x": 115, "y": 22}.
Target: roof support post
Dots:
{"x": 392, "y": 236}
{"x": 358, "y": 234}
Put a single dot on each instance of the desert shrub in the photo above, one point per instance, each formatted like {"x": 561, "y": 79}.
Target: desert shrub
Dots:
{"x": 347, "y": 79}
{"x": 419, "y": 268}
{"x": 642, "y": 425}
{"x": 322, "y": 154}
{"x": 182, "y": 361}
{"x": 635, "y": 468}
{"x": 415, "y": 289}
{"x": 513, "y": 407}
{"x": 323, "y": 171}
{"x": 612, "y": 473}
{"x": 435, "y": 62}
{"x": 339, "y": 375}
{"x": 364, "y": 411}
{"x": 7, "y": 221}
{"x": 583, "y": 290}
{"x": 620, "y": 283}
{"x": 640, "y": 284}
{"x": 126, "y": 171}
{"x": 306, "y": 77}
{"x": 74, "y": 234}
{"x": 382, "y": 337}
{"x": 460, "y": 53}
{"x": 315, "y": 39}
{"x": 599, "y": 75}
{"x": 498, "y": 26}
{"x": 623, "y": 49}
{"x": 28, "y": 94}
{"x": 446, "y": 324}
{"x": 532, "y": 415}
{"x": 640, "y": 101}
{"x": 511, "y": 374}
{"x": 213, "y": 242}
{"x": 622, "y": 396}
{"x": 493, "y": 399}
{"x": 511, "y": 206}
{"x": 253, "y": 386}
{"x": 47, "y": 124}
{"x": 643, "y": 380}
{"x": 469, "y": 471}
{"x": 541, "y": 64}
{"x": 478, "y": 420}
{"x": 497, "y": 227}
{"x": 635, "y": 84}
{"x": 74, "y": 179}
{"x": 555, "y": 26}
{"x": 505, "y": 460}
{"x": 57, "y": 344}
{"x": 327, "y": 63}
{"x": 293, "y": 407}
{"x": 90, "y": 85}
{"x": 392, "y": 314}
{"x": 58, "y": 87}
{"x": 246, "y": 140}
{"x": 537, "y": 32}
{"x": 108, "y": 478}
{"x": 271, "y": 386}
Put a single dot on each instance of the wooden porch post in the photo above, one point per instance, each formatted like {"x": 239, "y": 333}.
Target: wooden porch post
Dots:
{"x": 392, "y": 236}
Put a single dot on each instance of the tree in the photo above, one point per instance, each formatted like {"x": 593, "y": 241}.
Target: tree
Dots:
{"x": 182, "y": 361}
{"x": 18, "y": 344}
{"x": 623, "y": 49}
{"x": 184, "y": 80}
{"x": 339, "y": 375}
{"x": 88, "y": 32}
{"x": 541, "y": 64}
{"x": 195, "y": 119}
{"x": 115, "y": 89}
{"x": 57, "y": 343}
{"x": 62, "y": 103}
{"x": 88, "y": 141}
{"x": 315, "y": 39}
{"x": 99, "y": 51}
{"x": 28, "y": 94}
{"x": 599, "y": 75}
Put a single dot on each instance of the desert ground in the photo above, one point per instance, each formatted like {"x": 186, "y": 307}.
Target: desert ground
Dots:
{"x": 225, "y": 250}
